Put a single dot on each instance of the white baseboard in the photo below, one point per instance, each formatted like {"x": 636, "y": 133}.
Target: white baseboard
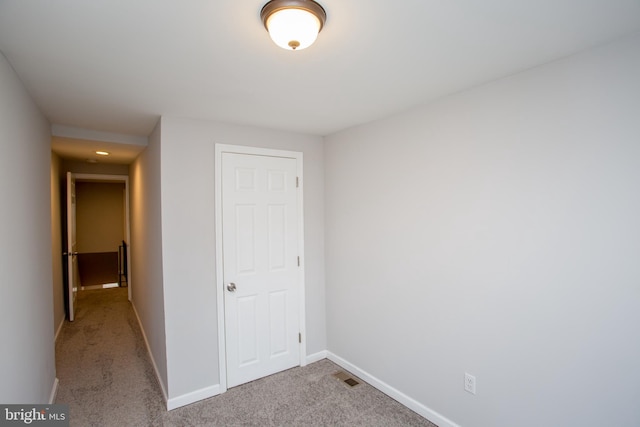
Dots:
{"x": 207, "y": 392}
{"x": 54, "y": 391}
{"x": 395, "y": 394}
{"x": 55, "y": 336}
{"x": 194, "y": 396}
{"x": 311, "y": 358}
{"x": 153, "y": 361}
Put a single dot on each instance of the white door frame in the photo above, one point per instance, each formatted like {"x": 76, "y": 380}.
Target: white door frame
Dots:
{"x": 88, "y": 177}
{"x": 225, "y": 148}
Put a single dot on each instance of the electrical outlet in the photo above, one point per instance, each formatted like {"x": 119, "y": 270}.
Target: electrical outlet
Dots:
{"x": 470, "y": 383}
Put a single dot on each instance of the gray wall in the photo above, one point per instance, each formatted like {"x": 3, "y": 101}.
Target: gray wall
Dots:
{"x": 188, "y": 242}
{"x": 146, "y": 252}
{"x": 27, "y": 365}
{"x": 497, "y": 232}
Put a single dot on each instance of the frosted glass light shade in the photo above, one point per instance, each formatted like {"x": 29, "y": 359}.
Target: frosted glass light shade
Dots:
{"x": 293, "y": 29}
{"x": 293, "y": 24}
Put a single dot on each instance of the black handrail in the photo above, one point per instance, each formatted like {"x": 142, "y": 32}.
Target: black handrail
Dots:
{"x": 122, "y": 264}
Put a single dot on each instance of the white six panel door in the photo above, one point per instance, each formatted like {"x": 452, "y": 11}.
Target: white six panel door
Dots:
{"x": 260, "y": 259}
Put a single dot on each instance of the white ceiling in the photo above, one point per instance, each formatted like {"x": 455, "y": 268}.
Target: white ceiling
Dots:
{"x": 117, "y": 65}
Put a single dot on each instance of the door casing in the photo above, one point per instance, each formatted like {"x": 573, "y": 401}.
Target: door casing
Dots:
{"x": 255, "y": 151}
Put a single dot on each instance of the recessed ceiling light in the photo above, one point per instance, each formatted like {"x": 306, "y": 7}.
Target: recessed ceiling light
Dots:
{"x": 102, "y": 153}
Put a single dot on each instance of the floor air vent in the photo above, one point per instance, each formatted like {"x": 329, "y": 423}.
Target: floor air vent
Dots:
{"x": 346, "y": 378}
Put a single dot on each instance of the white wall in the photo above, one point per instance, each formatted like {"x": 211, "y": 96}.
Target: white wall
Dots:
{"x": 27, "y": 365}
{"x": 497, "y": 232}
{"x": 146, "y": 252}
{"x": 188, "y": 242}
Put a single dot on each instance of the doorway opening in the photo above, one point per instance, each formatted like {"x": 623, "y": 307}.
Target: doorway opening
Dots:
{"x": 98, "y": 233}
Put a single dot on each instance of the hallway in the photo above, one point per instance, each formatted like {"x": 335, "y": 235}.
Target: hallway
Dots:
{"x": 105, "y": 373}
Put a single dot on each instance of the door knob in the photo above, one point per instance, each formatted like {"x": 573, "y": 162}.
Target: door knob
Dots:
{"x": 231, "y": 287}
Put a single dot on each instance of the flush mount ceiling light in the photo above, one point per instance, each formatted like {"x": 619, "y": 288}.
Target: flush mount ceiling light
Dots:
{"x": 293, "y": 24}
{"x": 102, "y": 153}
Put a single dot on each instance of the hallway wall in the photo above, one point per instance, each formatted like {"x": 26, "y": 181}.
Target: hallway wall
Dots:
{"x": 100, "y": 217}
{"x": 27, "y": 365}
{"x": 147, "y": 287}
{"x": 56, "y": 243}
{"x": 77, "y": 166}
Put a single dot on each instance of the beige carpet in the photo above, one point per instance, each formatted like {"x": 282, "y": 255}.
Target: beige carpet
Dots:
{"x": 106, "y": 378}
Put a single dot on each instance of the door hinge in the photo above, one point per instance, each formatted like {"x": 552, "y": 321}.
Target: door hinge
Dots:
{"x": 300, "y": 337}
{"x": 297, "y": 182}
{"x": 298, "y": 261}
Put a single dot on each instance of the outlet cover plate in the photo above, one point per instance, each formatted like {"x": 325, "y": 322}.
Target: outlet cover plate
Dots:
{"x": 469, "y": 383}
